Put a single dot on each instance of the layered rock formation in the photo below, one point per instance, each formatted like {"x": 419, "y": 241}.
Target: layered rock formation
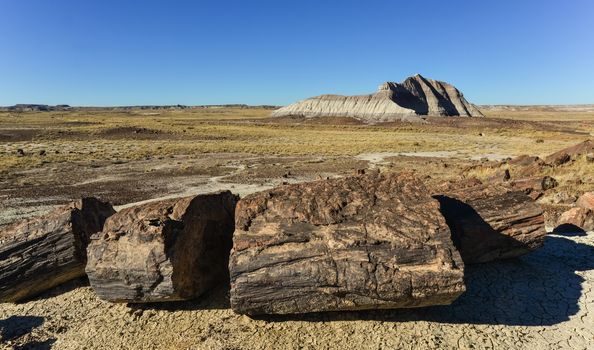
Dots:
{"x": 407, "y": 101}
{"x": 373, "y": 241}
{"x": 167, "y": 250}
{"x": 45, "y": 251}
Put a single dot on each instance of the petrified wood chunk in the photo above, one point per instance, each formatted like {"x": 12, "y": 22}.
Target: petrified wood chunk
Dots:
{"x": 586, "y": 200}
{"x": 40, "y": 253}
{"x": 167, "y": 250}
{"x": 491, "y": 222}
{"x": 576, "y": 219}
{"x": 362, "y": 242}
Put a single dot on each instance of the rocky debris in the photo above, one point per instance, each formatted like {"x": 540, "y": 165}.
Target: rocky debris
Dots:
{"x": 562, "y": 197}
{"x": 580, "y": 217}
{"x": 43, "y": 252}
{"x": 491, "y": 222}
{"x": 532, "y": 170}
{"x": 524, "y": 160}
{"x": 535, "y": 187}
{"x": 586, "y": 200}
{"x": 373, "y": 241}
{"x": 416, "y": 96}
{"x": 552, "y": 211}
{"x": 167, "y": 250}
{"x": 576, "y": 219}
{"x": 566, "y": 154}
{"x": 560, "y": 159}
{"x": 502, "y": 175}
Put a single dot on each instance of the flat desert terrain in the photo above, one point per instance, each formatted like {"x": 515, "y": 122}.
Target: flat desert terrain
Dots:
{"x": 127, "y": 156}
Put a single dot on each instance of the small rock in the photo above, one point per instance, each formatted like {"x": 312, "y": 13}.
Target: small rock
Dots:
{"x": 506, "y": 175}
{"x": 549, "y": 183}
{"x": 586, "y": 200}
{"x": 20, "y": 152}
{"x": 42, "y": 152}
{"x": 590, "y": 157}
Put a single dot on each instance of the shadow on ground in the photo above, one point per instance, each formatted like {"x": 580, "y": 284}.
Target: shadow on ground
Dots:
{"x": 15, "y": 327}
{"x": 539, "y": 289}
{"x": 215, "y": 299}
{"x": 36, "y": 345}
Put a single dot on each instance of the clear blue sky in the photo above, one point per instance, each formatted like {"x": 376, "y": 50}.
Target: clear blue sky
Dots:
{"x": 126, "y": 52}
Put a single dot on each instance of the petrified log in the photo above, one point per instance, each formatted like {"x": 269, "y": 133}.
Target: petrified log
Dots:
{"x": 167, "y": 250}
{"x": 363, "y": 242}
{"x": 566, "y": 154}
{"x": 490, "y": 222}
{"x": 43, "y": 252}
{"x": 576, "y": 219}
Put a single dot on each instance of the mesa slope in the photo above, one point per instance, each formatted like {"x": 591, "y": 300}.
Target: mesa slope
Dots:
{"x": 407, "y": 101}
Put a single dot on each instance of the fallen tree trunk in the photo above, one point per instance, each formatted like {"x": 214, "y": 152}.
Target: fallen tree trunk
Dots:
{"x": 364, "y": 242}
{"x": 491, "y": 222}
{"x": 43, "y": 252}
{"x": 160, "y": 251}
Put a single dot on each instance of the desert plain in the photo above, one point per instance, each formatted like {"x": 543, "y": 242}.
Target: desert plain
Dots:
{"x": 134, "y": 155}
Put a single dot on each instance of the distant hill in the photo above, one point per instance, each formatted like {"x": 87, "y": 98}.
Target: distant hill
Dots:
{"x": 415, "y": 97}
{"x": 46, "y": 108}
{"x": 544, "y": 108}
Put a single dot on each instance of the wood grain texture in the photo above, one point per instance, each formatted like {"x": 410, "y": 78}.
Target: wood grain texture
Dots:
{"x": 491, "y": 222}
{"x": 167, "y": 250}
{"x": 364, "y": 242}
{"x": 43, "y": 252}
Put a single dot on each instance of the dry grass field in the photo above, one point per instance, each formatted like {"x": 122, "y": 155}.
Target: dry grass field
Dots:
{"x": 64, "y": 152}
{"x": 129, "y": 156}
{"x": 103, "y": 135}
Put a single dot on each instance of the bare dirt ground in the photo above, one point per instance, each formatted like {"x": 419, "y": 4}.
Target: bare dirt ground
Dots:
{"x": 541, "y": 300}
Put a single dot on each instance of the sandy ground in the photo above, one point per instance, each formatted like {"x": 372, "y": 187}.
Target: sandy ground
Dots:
{"x": 541, "y": 301}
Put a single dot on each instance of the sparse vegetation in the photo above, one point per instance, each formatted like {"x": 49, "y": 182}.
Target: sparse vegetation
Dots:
{"x": 103, "y": 135}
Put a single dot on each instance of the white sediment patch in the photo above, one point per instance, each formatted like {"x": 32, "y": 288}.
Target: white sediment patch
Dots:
{"x": 215, "y": 184}
{"x": 376, "y": 158}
